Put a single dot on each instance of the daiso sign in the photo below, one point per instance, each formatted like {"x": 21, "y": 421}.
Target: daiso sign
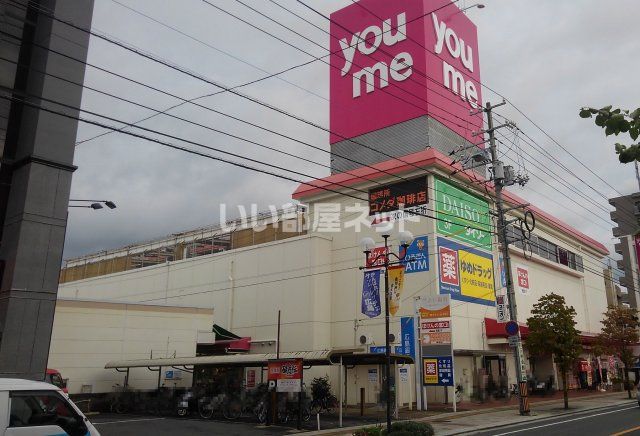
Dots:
{"x": 393, "y": 61}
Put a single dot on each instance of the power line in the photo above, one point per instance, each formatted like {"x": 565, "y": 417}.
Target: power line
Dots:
{"x": 170, "y": 145}
{"x": 194, "y": 75}
{"x": 217, "y": 112}
{"x": 205, "y": 80}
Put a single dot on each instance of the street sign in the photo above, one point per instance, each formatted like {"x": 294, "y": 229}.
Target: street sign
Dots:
{"x": 287, "y": 374}
{"x": 513, "y": 341}
{"x": 438, "y": 371}
{"x": 511, "y": 328}
{"x": 502, "y": 314}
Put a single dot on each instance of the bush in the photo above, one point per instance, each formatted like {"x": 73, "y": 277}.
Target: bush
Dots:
{"x": 368, "y": 431}
{"x": 403, "y": 428}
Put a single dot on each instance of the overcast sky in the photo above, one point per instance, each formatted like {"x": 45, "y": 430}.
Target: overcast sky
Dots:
{"x": 549, "y": 57}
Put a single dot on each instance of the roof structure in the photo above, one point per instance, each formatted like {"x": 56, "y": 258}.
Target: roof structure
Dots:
{"x": 430, "y": 158}
{"x": 352, "y": 356}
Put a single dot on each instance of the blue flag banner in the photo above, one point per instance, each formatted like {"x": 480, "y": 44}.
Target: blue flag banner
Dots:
{"x": 371, "y": 293}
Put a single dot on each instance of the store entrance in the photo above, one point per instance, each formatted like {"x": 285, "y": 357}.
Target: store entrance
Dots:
{"x": 495, "y": 368}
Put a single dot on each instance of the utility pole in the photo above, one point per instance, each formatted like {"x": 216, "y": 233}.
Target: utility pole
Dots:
{"x": 499, "y": 183}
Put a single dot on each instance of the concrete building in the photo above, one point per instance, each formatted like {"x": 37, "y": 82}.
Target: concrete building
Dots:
{"x": 626, "y": 215}
{"x": 313, "y": 278}
{"x": 35, "y": 174}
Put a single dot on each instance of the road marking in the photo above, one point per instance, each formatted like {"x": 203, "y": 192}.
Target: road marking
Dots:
{"x": 126, "y": 420}
{"x": 626, "y": 431}
{"x": 565, "y": 421}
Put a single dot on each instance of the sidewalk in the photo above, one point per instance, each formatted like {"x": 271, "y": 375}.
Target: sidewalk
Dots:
{"x": 483, "y": 418}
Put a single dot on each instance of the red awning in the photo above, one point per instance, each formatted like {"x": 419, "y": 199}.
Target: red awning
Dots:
{"x": 494, "y": 329}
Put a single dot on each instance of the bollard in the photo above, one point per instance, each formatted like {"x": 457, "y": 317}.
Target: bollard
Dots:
{"x": 361, "y": 401}
{"x": 318, "y": 420}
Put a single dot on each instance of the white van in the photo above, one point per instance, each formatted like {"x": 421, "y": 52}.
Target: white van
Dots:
{"x": 30, "y": 408}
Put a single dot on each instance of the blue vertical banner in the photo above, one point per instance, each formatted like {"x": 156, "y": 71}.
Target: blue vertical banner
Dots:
{"x": 371, "y": 293}
{"x": 503, "y": 274}
{"x": 408, "y": 336}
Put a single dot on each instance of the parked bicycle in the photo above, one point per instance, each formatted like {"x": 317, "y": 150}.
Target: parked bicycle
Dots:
{"x": 121, "y": 399}
{"x": 231, "y": 408}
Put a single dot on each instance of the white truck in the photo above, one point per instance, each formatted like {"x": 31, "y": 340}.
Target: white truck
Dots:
{"x": 30, "y": 408}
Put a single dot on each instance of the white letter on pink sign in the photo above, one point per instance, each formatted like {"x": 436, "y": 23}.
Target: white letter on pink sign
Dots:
{"x": 369, "y": 74}
{"x": 440, "y": 29}
{"x": 401, "y": 30}
{"x": 348, "y": 51}
{"x": 402, "y": 61}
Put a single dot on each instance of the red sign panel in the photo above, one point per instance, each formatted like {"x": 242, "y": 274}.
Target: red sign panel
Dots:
{"x": 287, "y": 374}
{"x": 285, "y": 369}
{"x": 251, "y": 378}
{"x": 375, "y": 259}
{"x": 523, "y": 278}
{"x": 449, "y": 269}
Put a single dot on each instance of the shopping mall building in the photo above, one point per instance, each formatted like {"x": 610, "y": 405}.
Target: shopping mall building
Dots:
{"x": 405, "y": 84}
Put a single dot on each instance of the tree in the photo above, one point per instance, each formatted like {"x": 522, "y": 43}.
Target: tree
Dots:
{"x": 552, "y": 330}
{"x": 616, "y": 121}
{"x": 619, "y": 334}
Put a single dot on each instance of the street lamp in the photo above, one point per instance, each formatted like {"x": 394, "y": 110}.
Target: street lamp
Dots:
{"x": 368, "y": 244}
{"x": 95, "y": 204}
{"x": 477, "y": 5}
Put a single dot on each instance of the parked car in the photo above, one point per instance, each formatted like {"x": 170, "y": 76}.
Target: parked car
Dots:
{"x": 54, "y": 377}
{"x": 38, "y": 409}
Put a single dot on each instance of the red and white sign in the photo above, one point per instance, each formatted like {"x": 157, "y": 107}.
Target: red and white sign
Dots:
{"x": 523, "y": 279}
{"x": 435, "y": 325}
{"x": 375, "y": 259}
{"x": 449, "y": 268}
{"x": 251, "y": 378}
{"x": 393, "y": 61}
{"x": 435, "y": 332}
{"x": 287, "y": 374}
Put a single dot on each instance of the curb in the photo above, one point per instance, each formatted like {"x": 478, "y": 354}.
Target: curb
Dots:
{"x": 540, "y": 418}
{"x": 444, "y": 416}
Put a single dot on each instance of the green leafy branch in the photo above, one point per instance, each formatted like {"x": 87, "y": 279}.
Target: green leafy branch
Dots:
{"x": 615, "y": 122}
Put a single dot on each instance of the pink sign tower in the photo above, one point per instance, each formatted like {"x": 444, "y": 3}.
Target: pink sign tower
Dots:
{"x": 395, "y": 61}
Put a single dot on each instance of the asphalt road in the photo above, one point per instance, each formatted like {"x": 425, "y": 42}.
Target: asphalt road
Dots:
{"x": 618, "y": 420}
{"x": 130, "y": 425}
{"x": 113, "y": 424}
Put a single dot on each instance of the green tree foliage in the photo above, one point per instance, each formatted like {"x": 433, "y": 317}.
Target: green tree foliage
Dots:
{"x": 619, "y": 334}
{"x": 552, "y": 331}
{"x": 615, "y": 122}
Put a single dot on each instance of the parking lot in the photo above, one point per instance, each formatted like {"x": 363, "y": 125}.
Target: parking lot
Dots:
{"x": 123, "y": 425}
{"x": 109, "y": 424}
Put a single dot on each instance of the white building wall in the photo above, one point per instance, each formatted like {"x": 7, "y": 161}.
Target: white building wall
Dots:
{"x": 88, "y": 334}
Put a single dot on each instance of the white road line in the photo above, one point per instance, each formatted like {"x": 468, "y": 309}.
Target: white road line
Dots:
{"x": 126, "y": 420}
{"x": 565, "y": 421}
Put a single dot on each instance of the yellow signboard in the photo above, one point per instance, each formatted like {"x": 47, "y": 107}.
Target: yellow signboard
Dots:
{"x": 396, "y": 284}
{"x": 476, "y": 276}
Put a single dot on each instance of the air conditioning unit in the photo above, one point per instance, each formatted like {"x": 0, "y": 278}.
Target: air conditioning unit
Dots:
{"x": 366, "y": 339}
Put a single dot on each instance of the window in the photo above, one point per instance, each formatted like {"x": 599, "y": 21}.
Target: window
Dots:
{"x": 572, "y": 260}
{"x": 579, "y": 264}
{"x": 552, "y": 251}
{"x": 543, "y": 248}
{"x": 37, "y": 409}
{"x": 563, "y": 256}
{"x": 534, "y": 244}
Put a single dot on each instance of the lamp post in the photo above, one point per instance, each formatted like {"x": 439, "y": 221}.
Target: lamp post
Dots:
{"x": 95, "y": 204}
{"x": 405, "y": 238}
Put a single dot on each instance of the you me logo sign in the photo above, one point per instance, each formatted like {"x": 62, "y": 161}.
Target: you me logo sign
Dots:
{"x": 393, "y": 61}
